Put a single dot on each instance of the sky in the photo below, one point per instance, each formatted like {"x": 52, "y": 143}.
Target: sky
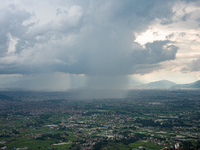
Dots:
{"x": 107, "y": 44}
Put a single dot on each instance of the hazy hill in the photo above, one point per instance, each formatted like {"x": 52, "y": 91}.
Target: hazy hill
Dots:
{"x": 195, "y": 84}
{"x": 190, "y": 85}
{"x": 5, "y": 97}
{"x": 163, "y": 84}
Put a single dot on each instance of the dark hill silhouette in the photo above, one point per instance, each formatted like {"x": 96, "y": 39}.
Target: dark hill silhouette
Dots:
{"x": 5, "y": 97}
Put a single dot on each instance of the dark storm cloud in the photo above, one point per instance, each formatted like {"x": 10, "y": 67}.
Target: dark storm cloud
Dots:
{"x": 92, "y": 39}
{"x": 155, "y": 52}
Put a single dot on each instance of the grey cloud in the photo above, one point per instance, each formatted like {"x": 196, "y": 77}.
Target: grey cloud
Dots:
{"x": 192, "y": 66}
{"x": 189, "y": 1}
{"x": 167, "y": 17}
{"x": 170, "y": 36}
{"x": 145, "y": 68}
{"x": 159, "y": 51}
{"x": 185, "y": 70}
{"x": 195, "y": 65}
{"x": 154, "y": 53}
{"x": 92, "y": 39}
{"x": 186, "y": 17}
{"x": 109, "y": 61}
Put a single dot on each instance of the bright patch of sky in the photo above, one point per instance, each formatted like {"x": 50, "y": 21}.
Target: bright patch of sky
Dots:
{"x": 183, "y": 30}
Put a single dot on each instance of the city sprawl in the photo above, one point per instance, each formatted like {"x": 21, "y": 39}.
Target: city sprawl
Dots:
{"x": 144, "y": 119}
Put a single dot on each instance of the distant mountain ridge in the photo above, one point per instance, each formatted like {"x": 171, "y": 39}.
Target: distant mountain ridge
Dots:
{"x": 5, "y": 97}
{"x": 189, "y": 86}
{"x": 165, "y": 84}
{"x": 162, "y": 84}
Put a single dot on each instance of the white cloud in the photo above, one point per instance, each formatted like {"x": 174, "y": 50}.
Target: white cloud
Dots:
{"x": 12, "y": 41}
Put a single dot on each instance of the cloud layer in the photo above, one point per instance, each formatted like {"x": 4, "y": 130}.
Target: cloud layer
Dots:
{"x": 94, "y": 38}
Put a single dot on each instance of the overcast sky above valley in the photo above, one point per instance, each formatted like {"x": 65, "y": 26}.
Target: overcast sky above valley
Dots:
{"x": 64, "y": 44}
